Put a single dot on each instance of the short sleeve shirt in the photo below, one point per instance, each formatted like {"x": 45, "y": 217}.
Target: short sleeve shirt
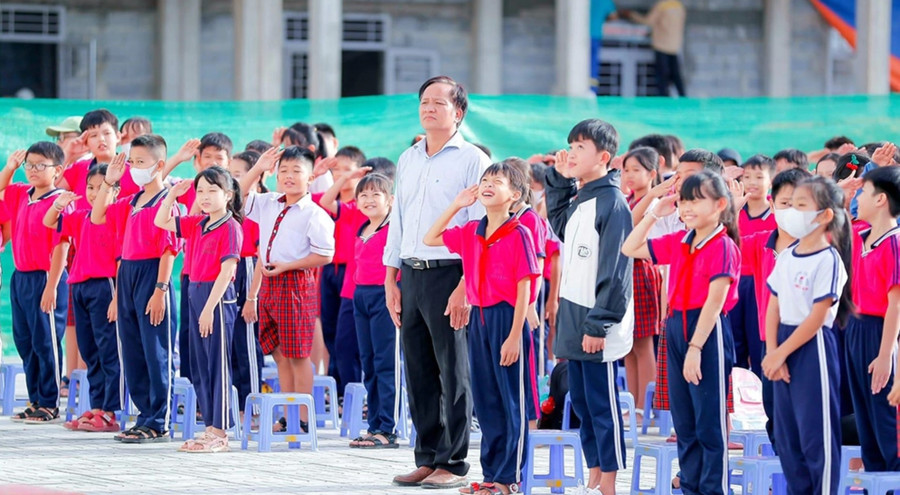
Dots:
{"x": 304, "y": 229}
{"x": 801, "y": 280}
{"x": 95, "y": 255}
{"x": 748, "y": 225}
{"x": 32, "y": 243}
{"x": 875, "y": 271}
{"x": 141, "y": 239}
{"x": 212, "y": 243}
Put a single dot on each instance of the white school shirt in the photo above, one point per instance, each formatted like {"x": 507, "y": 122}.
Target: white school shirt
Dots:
{"x": 666, "y": 225}
{"x": 801, "y": 280}
{"x": 305, "y": 229}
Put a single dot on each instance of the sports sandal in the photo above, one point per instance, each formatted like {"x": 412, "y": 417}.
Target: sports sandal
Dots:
{"x": 18, "y": 418}
{"x": 209, "y": 444}
{"x": 186, "y": 446}
{"x": 125, "y": 433}
{"x": 64, "y": 386}
{"x": 487, "y": 488}
{"x": 100, "y": 423}
{"x": 144, "y": 434}
{"x": 43, "y": 415}
{"x": 373, "y": 442}
{"x": 75, "y": 423}
{"x": 354, "y": 444}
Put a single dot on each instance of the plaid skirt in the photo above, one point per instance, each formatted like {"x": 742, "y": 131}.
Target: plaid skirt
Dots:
{"x": 647, "y": 282}
{"x": 661, "y": 396}
{"x": 287, "y": 318}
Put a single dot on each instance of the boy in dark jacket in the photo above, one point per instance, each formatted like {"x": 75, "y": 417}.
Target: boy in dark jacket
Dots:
{"x": 594, "y": 322}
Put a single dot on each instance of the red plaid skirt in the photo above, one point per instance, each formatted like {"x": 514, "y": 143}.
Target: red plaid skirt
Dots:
{"x": 647, "y": 282}
{"x": 287, "y": 318}
{"x": 661, "y": 396}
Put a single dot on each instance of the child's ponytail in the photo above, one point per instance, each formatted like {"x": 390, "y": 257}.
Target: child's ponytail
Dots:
{"x": 827, "y": 195}
{"x": 236, "y": 205}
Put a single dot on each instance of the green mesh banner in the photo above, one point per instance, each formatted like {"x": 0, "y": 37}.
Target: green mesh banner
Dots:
{"x": 508, "y": 125}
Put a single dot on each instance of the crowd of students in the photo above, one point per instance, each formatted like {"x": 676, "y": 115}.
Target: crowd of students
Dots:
{"x": 681, "y": 263}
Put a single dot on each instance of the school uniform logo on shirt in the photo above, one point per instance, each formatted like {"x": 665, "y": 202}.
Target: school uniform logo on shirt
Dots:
{"x": 583, "y": 251}
{"x": 801, "y": 281}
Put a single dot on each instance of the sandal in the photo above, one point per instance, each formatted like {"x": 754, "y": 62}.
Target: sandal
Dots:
{"x": 144, "y": 434}
{"x": 487, "y": 488}
{"x": 209, "y": 444}
{"x": 18, "y": 418}
{"x": 125, "y": 433}
{"x": 43, "y": 415}
{"x": 100, "y": 423}
{"x": 76, "y": 423}
{"x": 376, "y": 442}
{"x": 280, "y": 426}
{"x": 354, "y": 444}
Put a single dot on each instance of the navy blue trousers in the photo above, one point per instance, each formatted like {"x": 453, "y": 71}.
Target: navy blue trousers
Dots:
{"x": 807, "y": 415}
{"x": 379, "y": 352}
{"x": 498, "y": 394}
{"x": 346, "y": 347}
{"x": 211, "y": 355}
{"x": 768, "y": 400}
{"x": 246, "y": 354}
{"x": 38, "y": 336}
{"x": 98, "y": 342}
{"x": 146, "y": 348}
{"x": 876, "y": 420}
{"x": 595, "y": 400}
{"x": 699, "y": 411}
{"x": 330, "y": 283}
{"x": 745, "y": 327}
{"x": 184, "y": 329}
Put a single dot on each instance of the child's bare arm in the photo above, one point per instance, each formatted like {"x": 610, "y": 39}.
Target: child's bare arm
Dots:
{"x": 465, "y": 199}
{"x": 57, "y": 264}
{"x": 509, "y": 351}
{"x": 215, "y": 296}
{"x": 14, "y": 162}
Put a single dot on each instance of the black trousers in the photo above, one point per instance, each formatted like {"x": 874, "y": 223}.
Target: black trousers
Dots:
{"x": 437, "y": 369}
{"x": 668, "y": 72}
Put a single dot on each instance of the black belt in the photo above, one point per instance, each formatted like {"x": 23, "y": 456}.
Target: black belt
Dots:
{"x": 417, "y": 264}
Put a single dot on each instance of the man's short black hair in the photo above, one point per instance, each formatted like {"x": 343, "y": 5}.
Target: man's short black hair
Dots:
{"x": 795, "y": 156}
{"x": 457, "y": 92}
{"x": 48, "y": 150}
{"x": 708, "y": 159}
{"x": 154, "y": 143}
{"x": 353, "y": 153}
{"x": 216, "y": 140}
{"x": 602, "y": 133}
{"x": 96, "y": 118}
{"x": 836, "y": 142}
{"x": 760, "y": 161}
{"x": 789, "y": 177}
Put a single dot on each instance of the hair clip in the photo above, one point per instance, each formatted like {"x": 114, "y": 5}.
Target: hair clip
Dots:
{"x": 854, "y": 160}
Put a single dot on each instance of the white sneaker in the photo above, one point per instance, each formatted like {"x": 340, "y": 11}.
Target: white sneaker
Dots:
{"x": 583, "y": 490}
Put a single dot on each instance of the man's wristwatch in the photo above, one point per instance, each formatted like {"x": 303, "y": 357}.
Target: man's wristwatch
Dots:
{"x": 163, "y": 287}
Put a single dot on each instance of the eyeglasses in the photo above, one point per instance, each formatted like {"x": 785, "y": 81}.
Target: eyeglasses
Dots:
{"x": 38, "y": 167}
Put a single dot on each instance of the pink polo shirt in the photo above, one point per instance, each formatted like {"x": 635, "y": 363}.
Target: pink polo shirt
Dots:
{"x": 95, "y": 255}
{"x": 875, "y": 272}
{"x": 213, "y": 243}
{"x": 140, "y": 238}
{"x": 691, "y": 273}
{"x": 368, "y": 257}
{"x": 758, "y": 251}
{"x": 539, "y": 228}
{"x": 493, "y": 267}
{"x": 76, "y": 176}
{"x": 250, "y": 245}
{"x": 552, "y": 247}
{"x": 32, "y": 243}
{"x": 748, "y": 225}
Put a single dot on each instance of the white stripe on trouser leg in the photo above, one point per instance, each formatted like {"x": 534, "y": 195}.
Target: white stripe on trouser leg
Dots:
{"x": 169, "y": 360}
{"x": 826, "y": 409}
{"x": 723, "y": 400}
{"x": 523, "y": 420}
{"x": 614, "y": 414}
{"x": 222, "y": 362}
{"x": 397, "y": 385}
{"x": 251, "y": 329}
{"x": 112, "y": 287}
{"x": 53, "y": 345}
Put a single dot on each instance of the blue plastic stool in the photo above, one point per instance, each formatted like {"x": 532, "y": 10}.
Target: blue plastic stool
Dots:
{"x": 270, "y": 376}
{"x": 621, "y": 379}
{"x": 186, "y": 423}
{"x": 759, "y": 475}
{"x": 321, "y": 385}
{"x": 626, "y": 400}
{"x": 404, "y": 428}
{"x": 664, "y": 453}
{"x": 873, "y": 483}
{"x": 8, "y": 373}
{"x": 79, "y": 395}
{"x": 294, "y": 434}
{"x": 655, "y": 417}
{"x": 847, "y": 452}
{"x": 753, "y": 442}
{"x": 556, "y": 479}
{"x": 352, "y": 422}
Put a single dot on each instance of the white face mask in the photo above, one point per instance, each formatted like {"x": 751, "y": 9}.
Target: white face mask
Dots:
{"x": 143, "y": 176}
{"x": 798, "y": 224}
